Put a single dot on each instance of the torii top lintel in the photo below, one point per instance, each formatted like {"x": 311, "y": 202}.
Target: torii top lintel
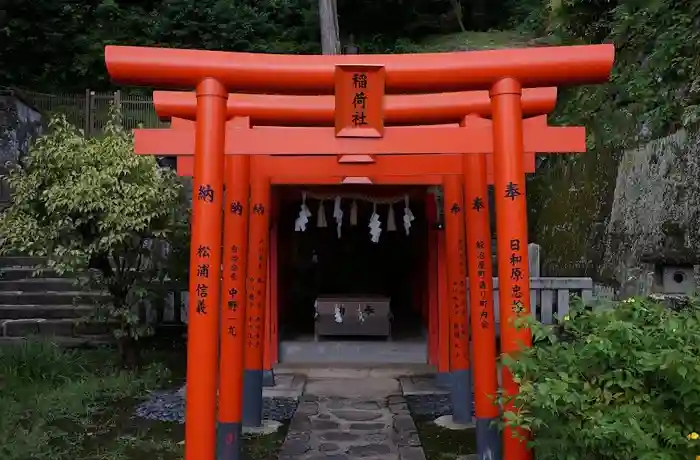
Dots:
{"x": 405, "y": 109}
{"x": 405, "y": 73}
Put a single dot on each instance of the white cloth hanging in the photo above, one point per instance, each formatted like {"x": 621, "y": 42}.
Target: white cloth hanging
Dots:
{"x": 304, "y": 214}
{"x": 338, "y": 216}
{"x": 408, "y": 216}
{"x": 391, "y": 220}
{"x": 353, "y": 214}
{"x": 375, "y": 225}
{"x": 321, "y": 218}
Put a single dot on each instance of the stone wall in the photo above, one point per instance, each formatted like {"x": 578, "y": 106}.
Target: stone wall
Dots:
{"x": 19, "y": 124}
{"x": 617, "y": 216}
{"x": 655, "y": 216}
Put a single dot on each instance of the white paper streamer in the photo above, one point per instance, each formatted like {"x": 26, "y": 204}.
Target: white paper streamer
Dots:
{"x": 391, "y": 220}
{"x": 338, "y": 313}
{"x": 304, "y": 214}
{"x": 321, "y": 218}
{"x": 408, "y": 216}
{"x": 360, "y": 314}
{"x": 353, "y": 214}
{"x": 338, "y": 216}
{"x": 375, "y": 225}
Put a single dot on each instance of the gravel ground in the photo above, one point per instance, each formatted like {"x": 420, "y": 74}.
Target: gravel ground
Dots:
{"x": 169, "y": 406}
{"x": 430, "y": 405}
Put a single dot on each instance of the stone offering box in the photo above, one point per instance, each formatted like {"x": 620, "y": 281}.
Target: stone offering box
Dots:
{"x": 352, "y": 315}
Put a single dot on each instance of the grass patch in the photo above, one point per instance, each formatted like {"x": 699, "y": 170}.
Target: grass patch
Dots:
{"x": 469, "y": 41}
{"x": 443, "y": 444}
{"x": 62, "y": 404}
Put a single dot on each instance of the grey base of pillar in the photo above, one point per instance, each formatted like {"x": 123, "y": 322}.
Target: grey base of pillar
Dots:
{"x": 461, "y": 396}
{"x": 252, "y": 397}
{"x": 488, "y": 439}
{"x": 228, "y": 441}
{"x": 443, "y": 379}
{"x": 268, "y": 378}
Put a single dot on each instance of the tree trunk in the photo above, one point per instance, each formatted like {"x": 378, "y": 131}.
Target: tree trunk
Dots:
{"x": 129, "y": 352}
{"x": 457, "y": 8}
{"x": 328, "y": 16}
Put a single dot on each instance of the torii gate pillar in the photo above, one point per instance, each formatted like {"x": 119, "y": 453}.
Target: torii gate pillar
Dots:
{"x": 511, "y": 234}
{"x": 205, "y": 271}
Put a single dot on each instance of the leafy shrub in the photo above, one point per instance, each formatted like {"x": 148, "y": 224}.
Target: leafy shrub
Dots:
{"x": 95, "y": 209}
{"x": 613, "y": 383}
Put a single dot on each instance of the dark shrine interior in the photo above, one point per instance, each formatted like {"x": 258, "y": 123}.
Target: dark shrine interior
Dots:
{"x": 316, "y": 262}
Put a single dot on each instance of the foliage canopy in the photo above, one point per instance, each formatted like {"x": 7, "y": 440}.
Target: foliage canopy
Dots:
{"x": 67, "y": 38}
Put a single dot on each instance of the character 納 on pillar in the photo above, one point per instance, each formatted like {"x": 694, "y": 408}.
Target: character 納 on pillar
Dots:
{"x": 233, "y": 306}
{"x": 461, "y": 393}
{"x": 256, "y": 295}
{"x": 205, "y": 271}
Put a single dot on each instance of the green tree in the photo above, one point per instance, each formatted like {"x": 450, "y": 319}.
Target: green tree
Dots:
{"x": 95, "y": 209}
{"x": 613, "y": 383}
{"x": 67, "y": 38}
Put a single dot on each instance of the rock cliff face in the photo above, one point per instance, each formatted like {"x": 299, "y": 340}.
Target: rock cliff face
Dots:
{"x": 19, "y": 124}
{"x": 619, "y": 217}
{"x": 655, "y": 215}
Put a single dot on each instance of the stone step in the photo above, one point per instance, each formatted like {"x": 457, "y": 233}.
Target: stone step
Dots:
{"x": 21, "y": 273}
{"x": 21, "y": 261}
{"x": 49, "y": 297}
{"x": 39, "y": 285}
{"x": 353, "y": 371}
{"x": 44, "y": 311}
{"x": 68, "y": 342}
{"x": 51, "y": 327}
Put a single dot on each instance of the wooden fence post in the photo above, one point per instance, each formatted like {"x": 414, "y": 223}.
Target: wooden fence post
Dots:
{"x": 117, "y": 99}
{"x": 91, "y": 112}
{"x": 86, "y": 122}
{"x": 533, "y": 251}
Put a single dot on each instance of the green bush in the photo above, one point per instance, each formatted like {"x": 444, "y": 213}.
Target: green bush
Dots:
{"x": 613, "y": 383}
{"x": 96, "y": 210}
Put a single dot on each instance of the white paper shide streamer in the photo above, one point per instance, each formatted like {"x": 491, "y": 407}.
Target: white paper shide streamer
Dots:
{"x": 321, "y": 218}
{"x": 353, "y": 214}
{"x": 338, "y": 216}
{"x": 408, "y": 216}
{"x": 338, "y": 313}
{"x": 375, "y": 225}
{"x": 361, "y": 316}
{"x": 304, "y": 214}
{"x": 391, "y": 220}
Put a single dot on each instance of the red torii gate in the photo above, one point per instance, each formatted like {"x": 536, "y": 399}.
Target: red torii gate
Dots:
{"x": 357, "y": 132}
{"x": 422, "y": 169}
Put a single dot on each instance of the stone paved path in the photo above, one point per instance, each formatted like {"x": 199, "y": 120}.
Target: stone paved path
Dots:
{"x": 352, "y": 419}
